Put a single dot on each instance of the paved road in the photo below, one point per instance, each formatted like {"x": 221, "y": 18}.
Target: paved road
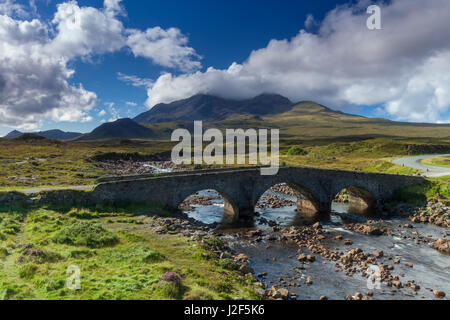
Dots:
{"x": 428, "y": 171}
{"x": 37, "y": 190}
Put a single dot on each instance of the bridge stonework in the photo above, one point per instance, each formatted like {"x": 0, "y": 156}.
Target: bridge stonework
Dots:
{"x": 242, "y": 188}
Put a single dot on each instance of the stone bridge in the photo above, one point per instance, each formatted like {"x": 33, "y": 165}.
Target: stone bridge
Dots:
{"x": 243, "y": 187}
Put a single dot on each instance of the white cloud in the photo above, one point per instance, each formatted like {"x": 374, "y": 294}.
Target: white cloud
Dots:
{"x": 11, "y": 8}
{"x": 113, "y": 7}
{"x": 101, "y": 113}
{"x": 82, "y": 31}
{"x": 134, "y": 80}
{"x": 310, "y": 21}
{"x": 115, "y": 115}
{"x": 35, "y": 55}
{"x": 165, "y": 47}
{"x": 33, "y": 83}
{"x": 404, "y": 67}
{"x": 131, "y": 103}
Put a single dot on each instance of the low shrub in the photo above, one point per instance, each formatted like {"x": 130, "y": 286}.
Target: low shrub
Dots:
{"x": 38, "y": 256}
{"x": 167, "y": 290}
{"x": 3, "y": 253}
{"x": 9, "y": 225}
{"x": 227, "y": 264}
{"x": 297, "y": 151}
{"x": 153, "y": 257}
{"x": 85, "y": 233}
{"x": 80, "y": 254}
{"x": 214, "y": 242}
{"x": 27, "y": 271}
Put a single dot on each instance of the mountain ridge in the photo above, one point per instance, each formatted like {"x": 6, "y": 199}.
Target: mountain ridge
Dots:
{"x": 203, "y": 107}
{"x": 54, "y": 134}
{"x": 301, "y": 120}
{"x": 119, "y": 129}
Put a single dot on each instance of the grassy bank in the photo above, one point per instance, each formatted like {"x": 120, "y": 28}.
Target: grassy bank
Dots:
{"x": 372, "y": 155}
{"x": 420, "y": 193}
{"x": 438, "y": 161}
{"x": 120, "y": 255}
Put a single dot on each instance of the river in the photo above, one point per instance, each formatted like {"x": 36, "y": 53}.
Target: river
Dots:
{"x": 279, "y": 260}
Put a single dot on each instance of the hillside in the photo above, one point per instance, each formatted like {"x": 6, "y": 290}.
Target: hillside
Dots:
{"x": 13, "y": 134}
{"x": 30, "y": 137}
{"x": 300, "y": 121}
{"x": 211, "y": 108}
{"x": 313, "y": 121}
{"x": 120, "y": 129}
{"x": 50, "y": 134}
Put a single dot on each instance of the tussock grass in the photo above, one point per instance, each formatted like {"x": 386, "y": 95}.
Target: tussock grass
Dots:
{"x": 418, "y": 194}
{"x": 129, "y": 268}
{"x": 85, "y": 233}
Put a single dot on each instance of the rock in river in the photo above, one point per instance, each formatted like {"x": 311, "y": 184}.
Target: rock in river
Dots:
{"x": 442, "y": 245}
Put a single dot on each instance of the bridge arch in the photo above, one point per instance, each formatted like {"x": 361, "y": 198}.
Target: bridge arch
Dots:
{"x": 230, "y": 209}
{"x": 307, "y": 203}
{"x": 358, "y": 198}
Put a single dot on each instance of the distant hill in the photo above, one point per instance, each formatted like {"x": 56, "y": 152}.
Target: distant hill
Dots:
{"x": 120, "y": 129}
{"x": 211, "y": 108}
{"x": 13, "y": 134}
{"x": 30, "y": 137}
{"x": 59, "y": 135}
{"x": 50, "y": 134}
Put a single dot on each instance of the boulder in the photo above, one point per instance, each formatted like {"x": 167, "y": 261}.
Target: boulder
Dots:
{"x": 439, "y": 294}
{"x": 442, "y": 245}
{"x": 378, "y": 254}
{"x": 278, "y": 293}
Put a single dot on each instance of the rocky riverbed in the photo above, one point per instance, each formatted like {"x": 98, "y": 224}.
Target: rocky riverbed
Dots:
{"x": 136, "y": 167}
{"x": 436, "y": 212}
{"x": 393, "y": 258}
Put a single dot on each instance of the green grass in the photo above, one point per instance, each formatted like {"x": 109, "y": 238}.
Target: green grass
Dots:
{"x": 118, "y": 259}
{"x": 383, "y": 166}
{"x": 48, "y": 163}
{"x": 296, "y": 151}
{"x": 418, "y": 194}
{"x": 314, "y": 137}
{"x": 438, "y": 161}
{"x": 85, "y": 233}
{"x": 371, "y": 155}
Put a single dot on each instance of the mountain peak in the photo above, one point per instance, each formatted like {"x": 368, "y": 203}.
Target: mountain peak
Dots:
{"x": 13, "y": 134}
{"x": 204, "y": 107}
{"x": 120, "y": 129}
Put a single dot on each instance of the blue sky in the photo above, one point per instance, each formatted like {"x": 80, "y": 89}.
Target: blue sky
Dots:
{"x": 221, "y": 33}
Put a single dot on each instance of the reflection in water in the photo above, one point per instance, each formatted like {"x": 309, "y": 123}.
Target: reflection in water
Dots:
{"x": 208, "y": 214}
